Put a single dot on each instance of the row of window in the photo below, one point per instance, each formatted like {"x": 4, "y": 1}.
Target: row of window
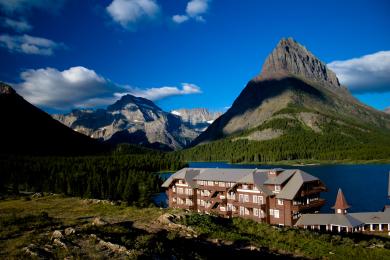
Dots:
{"x": 181, "y": 201}
{"x": 215, "y": 183}
{"x": 179, "y": 190}
{"x": 256, "y": 212}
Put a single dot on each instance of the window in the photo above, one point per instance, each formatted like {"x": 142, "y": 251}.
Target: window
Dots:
{"x": 180, "y": 190}
{"x": 241, "y": 198}
{"x": 260, "y": 199}
{"x": 210, "y": 183}
{"x": 242, "y": 211}
{"x": 256, "y": 212}
{"x": 198, "y": 201}
{"x": 246, "y": 198}
{"x": 245, "y": 187}
{"x": 262, "y": 213}
{"x": 277, "y": 188}
{"x": 221, "y": 184}
{"x": 247, "y": 211}
{"x": 276, "y": 213}
{"x": 257, "y": 199}
{"x": 271, "y": 212}
{"x": 280, "y": 202}
{"x": 174, "y": 189}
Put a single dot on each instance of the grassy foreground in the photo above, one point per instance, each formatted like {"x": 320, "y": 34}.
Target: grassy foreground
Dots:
{"x": 100, "y": 230}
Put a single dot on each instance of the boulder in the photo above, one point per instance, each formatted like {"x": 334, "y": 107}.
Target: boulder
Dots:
{"x": 56, "y": 235}
{"x": 69, "y": 231}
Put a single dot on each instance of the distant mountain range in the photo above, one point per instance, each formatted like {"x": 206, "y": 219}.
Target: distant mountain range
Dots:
{"x": 25, "y": 129}
{"x": 139, "y": 121}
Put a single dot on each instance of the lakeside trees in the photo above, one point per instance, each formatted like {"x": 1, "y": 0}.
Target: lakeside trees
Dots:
{"x": 129, "y": 178}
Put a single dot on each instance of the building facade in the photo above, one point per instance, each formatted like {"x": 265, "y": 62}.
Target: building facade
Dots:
{"x": 274, "y": 196}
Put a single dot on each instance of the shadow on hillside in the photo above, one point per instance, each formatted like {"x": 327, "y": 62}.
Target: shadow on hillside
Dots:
{"x": 253, "y": 96}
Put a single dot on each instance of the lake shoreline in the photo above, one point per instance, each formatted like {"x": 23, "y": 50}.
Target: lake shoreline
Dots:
{"x": 304, "y": 162}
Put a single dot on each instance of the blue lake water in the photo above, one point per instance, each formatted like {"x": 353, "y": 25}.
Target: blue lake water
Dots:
{"x": 365, "y": 186}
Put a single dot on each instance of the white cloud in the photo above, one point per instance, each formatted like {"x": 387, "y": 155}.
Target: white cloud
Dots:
{"x": 180, "y": 18}
{"x": 18, "y": 26}
{"x": 21, "y": 6}
{"x": 195, "y": 9}
{"x": 369, "y": 73}
{"x": 29, "y": 44}
{"x": 83, "y": 87}
{"x": 163, "y": 92}
{"x": 129, "y": 12}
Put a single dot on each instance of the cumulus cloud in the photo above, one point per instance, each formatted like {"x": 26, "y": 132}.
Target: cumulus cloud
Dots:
{"x": 18, "y": 26}
{"x": 22, "y": 6}
{"x": 180, "y": 18}
{"x": 83, "y": 87}
{"x": 163, "y": 92}
{"x": 29, "y": 44}
{"x": 129, "y": 12}
{"x": 194, "y": 10}
{"x": 366, "y": 74}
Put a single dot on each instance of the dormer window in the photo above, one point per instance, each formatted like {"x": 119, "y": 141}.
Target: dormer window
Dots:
{"x": 277, "y": 188}
{"x": 245, "y": 186}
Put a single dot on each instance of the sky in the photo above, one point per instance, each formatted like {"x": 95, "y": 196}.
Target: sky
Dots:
{"x": 66, "y": 54}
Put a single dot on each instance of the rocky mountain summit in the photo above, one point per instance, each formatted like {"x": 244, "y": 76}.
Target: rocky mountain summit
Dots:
{"x": 131, "y": 120}
{"x": 197, "y": 119}
{"x": 290, "y": 57}
{"x": 293, "y": 85}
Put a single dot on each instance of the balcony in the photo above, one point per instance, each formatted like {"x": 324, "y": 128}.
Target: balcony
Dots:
{"x": 182, "y": 195}
{"x": 313, "y": 204}
{"x": 249, "y": 204}
{"x": 212, "y": 188}
{"x": 313, "y": 190}
{"x": 184, "y": 206}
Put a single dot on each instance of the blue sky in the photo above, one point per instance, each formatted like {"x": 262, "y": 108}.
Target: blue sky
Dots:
{"x": 182, "y": 53}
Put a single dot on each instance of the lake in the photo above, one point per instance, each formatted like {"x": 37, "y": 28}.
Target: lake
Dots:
{"x": 365, "y": 186}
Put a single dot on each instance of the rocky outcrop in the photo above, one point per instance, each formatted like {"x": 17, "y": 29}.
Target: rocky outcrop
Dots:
{"x": 387, "y": 110}
{"x": 290, "y": 57}
{"x": 197, "y": 119}
{"x": 132, "y": 120}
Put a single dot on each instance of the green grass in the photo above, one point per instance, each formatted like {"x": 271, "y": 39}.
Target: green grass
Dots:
{"x": 290, "y": 240}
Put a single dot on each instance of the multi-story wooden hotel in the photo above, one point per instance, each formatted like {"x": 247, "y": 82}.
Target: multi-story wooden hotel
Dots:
{"x": 274, "y": 196}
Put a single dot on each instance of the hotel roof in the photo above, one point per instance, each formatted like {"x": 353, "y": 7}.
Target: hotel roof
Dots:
{"x": 258, "y": 177}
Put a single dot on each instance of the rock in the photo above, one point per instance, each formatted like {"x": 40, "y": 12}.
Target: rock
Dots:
{"x": 114, "y": 247}
{"x": 56, "y": 235}
{"x": 292, "y": 58}
{"x": 97, "y": 221}
{"x": 37, "y": 195}
{"x": 58, "y": 242}
{"x": 69, "y": 231}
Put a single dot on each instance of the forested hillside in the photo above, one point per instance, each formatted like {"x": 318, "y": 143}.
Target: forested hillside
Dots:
{"x": 332, "y": 139}
{"x": 129, "y": 178}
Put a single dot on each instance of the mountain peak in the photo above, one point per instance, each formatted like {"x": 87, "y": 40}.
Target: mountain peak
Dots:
{"x": 290, "y": 57}
{"x": 6, "y": 90}
{"x": 128, "y": 99}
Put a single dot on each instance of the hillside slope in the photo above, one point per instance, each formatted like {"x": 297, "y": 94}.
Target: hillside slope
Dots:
{"x": 25, "y": 129}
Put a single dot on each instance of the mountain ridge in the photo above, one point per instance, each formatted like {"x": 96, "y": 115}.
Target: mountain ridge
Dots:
{"x": 291, "y": 76}
{"x": 29, "y": 130}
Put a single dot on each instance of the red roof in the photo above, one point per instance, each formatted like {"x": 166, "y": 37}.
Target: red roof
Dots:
{"x": 341, "y": 202}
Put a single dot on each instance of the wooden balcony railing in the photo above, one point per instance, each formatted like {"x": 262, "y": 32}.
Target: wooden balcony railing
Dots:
{"x": 313, "y": 204}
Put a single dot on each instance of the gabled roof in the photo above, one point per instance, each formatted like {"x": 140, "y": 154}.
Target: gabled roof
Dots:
{"x": 186, "y": 174}
{"x": 346, "y": 220}
{"x": 341, "y": 202}
{"x": 258, "y": 178}
{"x": 292, "y": 187}
{"x": 280, "y": 178}
{"x": 222, "y": 174}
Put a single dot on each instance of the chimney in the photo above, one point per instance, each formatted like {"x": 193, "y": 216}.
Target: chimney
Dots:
{"x": 341, "y": 204}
